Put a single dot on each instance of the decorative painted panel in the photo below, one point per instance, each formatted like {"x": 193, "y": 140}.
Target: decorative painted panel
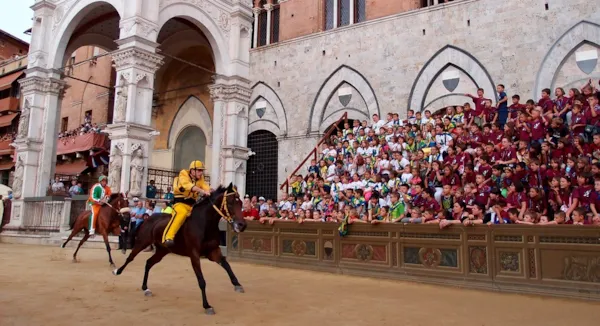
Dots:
{"x": 257, "y": 244}
{"x": 299, "y": 247}
{"x": 478, "y": 260}
{"x": 509, "y": 261}
{"x": 364, "y": 252}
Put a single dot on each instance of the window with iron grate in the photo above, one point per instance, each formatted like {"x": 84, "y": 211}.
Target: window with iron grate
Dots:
{"x": 275, "y": 25}
{"x": 360, "y": 11}
{"x": 344, "y": 11}
{"x": 261, "y": 172}
{"x": 262, "y": 28}
{"x": 329, "y": 14}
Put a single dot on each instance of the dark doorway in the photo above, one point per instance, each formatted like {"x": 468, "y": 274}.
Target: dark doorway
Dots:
{"x": 261, "y": 174}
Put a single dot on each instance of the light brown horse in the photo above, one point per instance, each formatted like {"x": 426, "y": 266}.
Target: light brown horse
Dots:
{"x": 109, "y": 219}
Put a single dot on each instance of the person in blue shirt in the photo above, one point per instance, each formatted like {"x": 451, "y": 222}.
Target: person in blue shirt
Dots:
{"x": 502, "y": 105}
{"x": 151, "y": 190}
{"x": 169, "y": 195}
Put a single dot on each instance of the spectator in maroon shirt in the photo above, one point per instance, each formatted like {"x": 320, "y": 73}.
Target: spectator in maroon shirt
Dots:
{"x": 516, "y": 198}
{"x": 578, "y": 120}
{"x": 584, "y": 191}
{"x": 538, "y": 125}
{"x": 537, "y": 202}
{"x": 515, "y": 108}
{"x": 546, "y": 103}
{"x": 490, "y": 113}
{"x": 479, "y": 105}
{"x": 508, "y": 155}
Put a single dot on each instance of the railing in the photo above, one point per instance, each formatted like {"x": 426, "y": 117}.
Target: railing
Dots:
{"x": 562, "y": 260}
{"x": 42, "y": 215}
{"x": 9, "y": 104}
{"x": 314, "y": 152}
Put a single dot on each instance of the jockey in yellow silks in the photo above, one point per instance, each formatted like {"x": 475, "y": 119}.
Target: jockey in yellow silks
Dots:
{"x": 187, "y": 187}
{"x": 99, "y": 195}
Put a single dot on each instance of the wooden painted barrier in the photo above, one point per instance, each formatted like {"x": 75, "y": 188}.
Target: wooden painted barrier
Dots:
{"x": 550, "y": 260}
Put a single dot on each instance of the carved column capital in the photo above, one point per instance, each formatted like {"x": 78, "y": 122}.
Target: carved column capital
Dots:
{"x": 230, "y": 88}
{"x": 137, "y": 58}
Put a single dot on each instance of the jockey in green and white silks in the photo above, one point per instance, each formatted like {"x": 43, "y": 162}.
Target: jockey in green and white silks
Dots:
{"x": 98, "y": 195}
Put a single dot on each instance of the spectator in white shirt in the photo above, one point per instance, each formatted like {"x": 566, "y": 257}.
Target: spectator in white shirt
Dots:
{"x": 377, "y": 123}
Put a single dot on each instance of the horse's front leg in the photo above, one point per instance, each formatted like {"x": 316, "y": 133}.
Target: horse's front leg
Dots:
{"x": 217, "y": 256}
{"x": 105, "y": 237}
{"x": 195, "y": 260}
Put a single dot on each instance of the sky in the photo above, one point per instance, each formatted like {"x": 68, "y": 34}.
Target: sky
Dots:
{"x": 15, "y": 17}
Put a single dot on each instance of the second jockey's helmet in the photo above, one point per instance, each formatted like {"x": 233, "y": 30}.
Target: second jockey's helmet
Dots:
{"x": 197, "y": 165}
{"x": 101, "y": 178}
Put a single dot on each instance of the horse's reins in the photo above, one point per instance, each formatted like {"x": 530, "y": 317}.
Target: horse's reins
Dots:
{"x": 226, "y": 215}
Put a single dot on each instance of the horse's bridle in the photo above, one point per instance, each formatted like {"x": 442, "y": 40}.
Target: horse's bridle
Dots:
{"x": 223, "y": 211}
{"x": 119, "y": 211}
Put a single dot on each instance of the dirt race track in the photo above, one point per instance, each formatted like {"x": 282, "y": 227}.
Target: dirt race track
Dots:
{"x": 41, "y": 286}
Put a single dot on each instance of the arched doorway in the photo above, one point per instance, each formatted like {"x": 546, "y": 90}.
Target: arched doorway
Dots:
{"x": 190, "y": 146}
{"x": 261, "y": 172}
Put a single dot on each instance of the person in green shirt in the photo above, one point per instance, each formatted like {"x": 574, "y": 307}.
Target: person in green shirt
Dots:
{"x": 397, "y": 210}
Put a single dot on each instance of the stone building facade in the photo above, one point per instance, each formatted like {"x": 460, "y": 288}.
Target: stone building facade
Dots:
{"x": 186, "y": 83}
{"x": 412, "y": 58}
{"x": 146, "y": 41}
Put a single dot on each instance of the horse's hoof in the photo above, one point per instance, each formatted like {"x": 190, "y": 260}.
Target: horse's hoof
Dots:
{"x": 123, "y": 251}
{"x": 209, "y": 311}
{"x": 112, "y": 265}
{"x": 62, "y": 246}
{"x": 75, "y": 260}
{"x": 147, "y": 293}
{"x": 239, "y": 289}
{"x": 115, "y": 271}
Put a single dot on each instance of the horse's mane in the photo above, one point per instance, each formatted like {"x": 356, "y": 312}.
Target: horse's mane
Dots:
{"x": 213, "y": 197}
{"x": 114, "y": 196}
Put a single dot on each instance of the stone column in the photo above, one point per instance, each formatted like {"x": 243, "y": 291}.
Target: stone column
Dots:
{"x": 256, "y": 12}
{"x": 230, "y": 96}
{"x": 130, "y": 132}
{"x": 269, "y": 8}
{"x": 335, "y": 14}
{"x": 352, "y": 12}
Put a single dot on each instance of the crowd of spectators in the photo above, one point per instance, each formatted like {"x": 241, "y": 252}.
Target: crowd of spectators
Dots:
{"x": 480, "y": 163}
{"x": 85, "y": 128}
{"x": 11, "y": 136}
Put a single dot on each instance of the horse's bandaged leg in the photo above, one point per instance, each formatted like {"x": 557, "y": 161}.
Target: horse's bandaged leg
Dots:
{"x": 181, "y": 213}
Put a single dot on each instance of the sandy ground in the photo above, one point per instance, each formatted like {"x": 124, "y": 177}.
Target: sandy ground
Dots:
{"x": 41, "y": 286}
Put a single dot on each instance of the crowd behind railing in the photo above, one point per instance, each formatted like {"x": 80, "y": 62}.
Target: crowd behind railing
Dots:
{"x": 86, "y": 128}
{"x": 485, "y": 162}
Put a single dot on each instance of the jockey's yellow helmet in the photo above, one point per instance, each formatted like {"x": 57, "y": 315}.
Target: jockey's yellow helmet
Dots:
{"x": 197, "y": 165}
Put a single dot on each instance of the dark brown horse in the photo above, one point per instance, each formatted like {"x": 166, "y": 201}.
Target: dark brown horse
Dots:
{"x": 198, "y": 237}
{"x": 109, "y": 221}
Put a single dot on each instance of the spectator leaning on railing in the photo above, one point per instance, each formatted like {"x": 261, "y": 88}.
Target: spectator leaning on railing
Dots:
{"x": 479, "y": 163}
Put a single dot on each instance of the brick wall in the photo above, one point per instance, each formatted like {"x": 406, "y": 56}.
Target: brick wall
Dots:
{"x": 298, "y": 18}
{"x": 10, "y": 48}
{"x": 81, "y": 97}
{"x": 381, "y": 8}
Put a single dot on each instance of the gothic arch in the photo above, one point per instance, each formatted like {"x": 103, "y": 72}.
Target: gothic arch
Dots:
{"x": 214, "y": 31}
{"x": 448, "y": 55}
{"x": 343, "y": 74}
{"x": 580, "y": 33}
{"x": 191, "y": 113}
{"x": 67, "y": 17}
{"x": 261, "y": 90}
{"x": 190, "y": 145}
